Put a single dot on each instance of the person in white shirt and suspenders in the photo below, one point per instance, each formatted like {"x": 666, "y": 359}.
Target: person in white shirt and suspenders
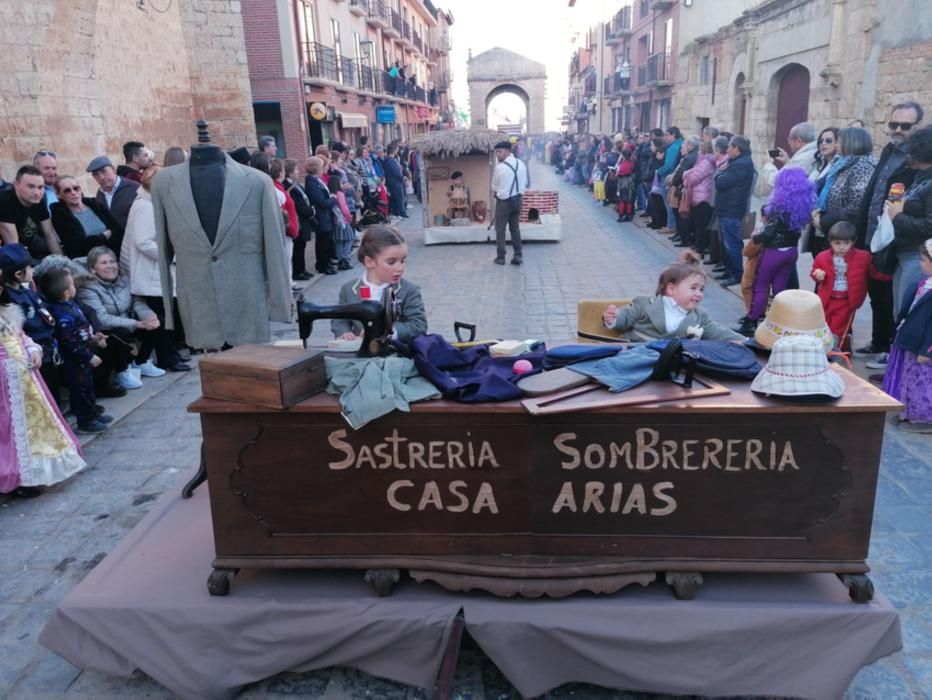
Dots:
{"x": 509, "y": 182}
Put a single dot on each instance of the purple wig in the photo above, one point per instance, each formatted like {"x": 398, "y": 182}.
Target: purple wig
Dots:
{"x": 793, "y": 197}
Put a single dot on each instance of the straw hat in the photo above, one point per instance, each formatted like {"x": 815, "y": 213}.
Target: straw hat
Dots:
{"x": 798, "y": 367}
{"x": 794, "y": 312}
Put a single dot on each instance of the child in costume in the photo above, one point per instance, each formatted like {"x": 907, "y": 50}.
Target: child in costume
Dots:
{"x": 841, "y": 273}
{"x": 626, "y": 185}
{"x": 673, "y": 312}
{"x": 37, "y": 448}
{"x": 909, "y": 370}
{"x": 783, "y": 220}
{"x": 384, "y": 253}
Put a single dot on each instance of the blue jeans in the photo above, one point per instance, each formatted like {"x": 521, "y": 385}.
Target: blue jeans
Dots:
{"x": 671, "y": 215}
{"x": 906, "y": 274}
{"x": 641, "y": 197}
{"x": 730, "y": 231}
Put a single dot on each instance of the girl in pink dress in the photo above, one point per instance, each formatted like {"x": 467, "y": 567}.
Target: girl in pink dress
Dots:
{"x": 37, "y": 448}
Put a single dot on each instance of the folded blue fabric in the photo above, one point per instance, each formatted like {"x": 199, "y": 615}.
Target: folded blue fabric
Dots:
{"x": 564, "y": 355}
{"x": 718, "y": 358}
{"x": 623, "y": 370}
{"x": 470, "y": 375}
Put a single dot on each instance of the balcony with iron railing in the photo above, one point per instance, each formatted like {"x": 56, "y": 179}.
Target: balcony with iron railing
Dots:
{"x": 616, "y": 85}
{"x": 442, "y": 43}
{"x": 393, "y": 30}
{"x": 319, "y": 62}
{"x": 659, "y": 70}
{"x": 642, "y": 75}
{"x": 406, "y": 33}
{"x": 590, "y": 84}
{"x": 418, "y": 42}
{"x": 661, "y": 5}
{"x": 369, "y": 78}
{"x": 619, "y": 28}
{"x": 360, "y": 8}
{"x": 379, "y": 14}
{"x": 348, "y": 73}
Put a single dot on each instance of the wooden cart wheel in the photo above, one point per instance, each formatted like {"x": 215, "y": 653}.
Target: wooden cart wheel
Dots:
{"x": 382, "y": 580}
{"x": 219, "y": 581}
{"x": 860, "y": 587}
{"x": 684, "y": 584}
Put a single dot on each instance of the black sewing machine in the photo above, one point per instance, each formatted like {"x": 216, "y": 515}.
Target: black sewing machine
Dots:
{"x": 377, "y": 321}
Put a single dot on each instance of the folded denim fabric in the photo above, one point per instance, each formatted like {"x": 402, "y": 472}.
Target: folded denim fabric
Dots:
{"x": 564, "y": 355}
{"x": 622, "y": 371}
{"x": 369, "y": 388}
{"x": 719, "y": 358}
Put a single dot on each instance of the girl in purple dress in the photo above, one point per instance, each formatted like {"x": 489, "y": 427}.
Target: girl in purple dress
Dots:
{"x": 909, "y": 369}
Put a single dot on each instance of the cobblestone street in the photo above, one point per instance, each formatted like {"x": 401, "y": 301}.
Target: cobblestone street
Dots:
{"x": 52, "y": 541}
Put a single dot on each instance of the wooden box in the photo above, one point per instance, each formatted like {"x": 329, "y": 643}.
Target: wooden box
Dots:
{"x": 489, "y": 496}
{"x": 263, "y": 375}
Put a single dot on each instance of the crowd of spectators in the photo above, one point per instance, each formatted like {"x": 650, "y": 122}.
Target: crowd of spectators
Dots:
{"x": 751, "y": 225}
{"x": 105, "y": 245}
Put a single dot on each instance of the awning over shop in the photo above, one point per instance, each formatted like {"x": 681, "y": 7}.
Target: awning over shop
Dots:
{"x": 350, "y": 120}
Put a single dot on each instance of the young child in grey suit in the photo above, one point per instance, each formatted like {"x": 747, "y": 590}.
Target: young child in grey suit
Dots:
{"x": 674, "y": 310}
{"x": 384, "y": 253}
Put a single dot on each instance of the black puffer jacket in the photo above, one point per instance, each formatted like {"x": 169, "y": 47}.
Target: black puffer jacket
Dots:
{"x": 777, "y": 233}
{"x": 913, "y": 225}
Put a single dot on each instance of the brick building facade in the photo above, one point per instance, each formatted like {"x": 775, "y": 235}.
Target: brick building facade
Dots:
{"x": 319, "y": 70}
{"x": 623, "y": 76}
{"x": 81, "y": 78}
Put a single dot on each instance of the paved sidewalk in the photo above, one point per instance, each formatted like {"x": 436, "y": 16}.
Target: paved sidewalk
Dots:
{"x": 49, "y": 543}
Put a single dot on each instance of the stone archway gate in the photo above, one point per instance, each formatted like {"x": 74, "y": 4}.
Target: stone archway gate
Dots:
{"x": 498, "y": 70}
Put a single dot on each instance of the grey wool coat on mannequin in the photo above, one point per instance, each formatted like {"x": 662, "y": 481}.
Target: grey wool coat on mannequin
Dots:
{"x": 230, "y": 290}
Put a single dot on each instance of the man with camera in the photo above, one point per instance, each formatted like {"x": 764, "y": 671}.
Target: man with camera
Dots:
{"x": 802, "y": 143}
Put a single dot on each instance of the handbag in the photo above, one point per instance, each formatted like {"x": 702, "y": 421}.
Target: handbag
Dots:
{"x": 884, "y": 260}
{"x": 883, "y": 235}
{"x": 673, "y": 197}
{"x": 685, "y": 201}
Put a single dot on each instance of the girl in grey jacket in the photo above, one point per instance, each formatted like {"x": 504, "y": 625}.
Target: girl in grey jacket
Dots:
{"x": 384, "y": 253}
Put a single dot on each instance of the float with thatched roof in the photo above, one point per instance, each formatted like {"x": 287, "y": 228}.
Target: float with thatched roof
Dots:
{"x": 447, "y": 217}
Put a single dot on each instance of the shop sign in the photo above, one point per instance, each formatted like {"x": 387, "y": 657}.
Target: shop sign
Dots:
{"x": 318, "y": 111}
{"x": 423, "y": 112}
{"x": 385, "y": 114}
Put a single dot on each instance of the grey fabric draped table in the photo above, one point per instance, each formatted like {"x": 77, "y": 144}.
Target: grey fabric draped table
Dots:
{"x": 145, "y": 607}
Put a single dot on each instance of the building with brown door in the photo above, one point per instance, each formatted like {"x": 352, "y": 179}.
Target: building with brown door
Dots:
{"x": 825, "y": 61}
{"x": 322, "y": 70}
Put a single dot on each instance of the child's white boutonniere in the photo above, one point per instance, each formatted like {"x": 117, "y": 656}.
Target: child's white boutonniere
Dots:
{"x": 694, "y": 332}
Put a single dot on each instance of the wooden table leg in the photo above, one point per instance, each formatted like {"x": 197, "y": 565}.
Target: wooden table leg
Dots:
{"x": 199, "y": 478}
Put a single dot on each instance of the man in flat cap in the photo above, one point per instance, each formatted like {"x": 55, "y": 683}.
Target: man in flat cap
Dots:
{"x": 509, "y": 182}
{"x": 116, "y": 193}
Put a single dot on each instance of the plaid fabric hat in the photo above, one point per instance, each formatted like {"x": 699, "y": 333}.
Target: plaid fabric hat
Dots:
{"x": 798, "y": 367}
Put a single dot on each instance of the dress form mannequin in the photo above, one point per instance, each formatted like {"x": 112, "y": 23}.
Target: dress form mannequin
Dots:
{"x": 221, "y": 248}
{"x": 208, "y": 173}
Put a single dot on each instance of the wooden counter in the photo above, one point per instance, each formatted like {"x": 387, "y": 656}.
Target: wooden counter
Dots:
{"x": 488, "y": 496}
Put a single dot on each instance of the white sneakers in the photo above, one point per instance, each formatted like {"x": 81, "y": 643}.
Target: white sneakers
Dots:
{"x": 147, "y": 369}
{"x": 879, "y": 362}
{"x": 131, "y": 377}
{"x": 128, "y": 379}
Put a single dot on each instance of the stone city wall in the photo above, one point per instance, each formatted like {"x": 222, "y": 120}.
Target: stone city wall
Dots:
{"x": 82, "y": 77}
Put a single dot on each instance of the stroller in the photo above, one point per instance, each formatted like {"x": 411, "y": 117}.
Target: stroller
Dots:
{"x": 374, "y": 210}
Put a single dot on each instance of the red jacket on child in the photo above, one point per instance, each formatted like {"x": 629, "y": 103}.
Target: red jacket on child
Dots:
{"x": 859, "y": 270}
